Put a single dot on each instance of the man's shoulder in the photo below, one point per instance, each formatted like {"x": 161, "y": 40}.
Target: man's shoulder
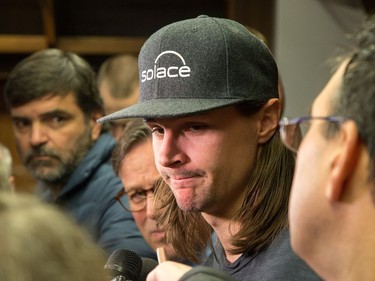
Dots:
{"x": 97, "y": 165}
{"x": 280, "y": 261}
{"x": 276, "y": 262}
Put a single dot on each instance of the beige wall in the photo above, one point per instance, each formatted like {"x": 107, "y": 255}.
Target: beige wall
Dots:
{"x": 307, "y": 34}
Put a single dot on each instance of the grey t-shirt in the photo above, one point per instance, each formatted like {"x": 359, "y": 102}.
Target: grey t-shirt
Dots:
{"x": 204, "y": 273}
{"x": 276, "y": 263}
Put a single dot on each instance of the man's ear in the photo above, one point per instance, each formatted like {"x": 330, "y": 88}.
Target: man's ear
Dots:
{"x": 269, "y": 120}
{"x": 345, "y": 160}
{"x": 96, "y": 127}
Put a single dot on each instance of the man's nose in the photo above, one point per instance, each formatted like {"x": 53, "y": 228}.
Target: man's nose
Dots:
{"x": 38, "y": 135}
{"x": 150, "y": 211}
{"x": 167, "y": 151}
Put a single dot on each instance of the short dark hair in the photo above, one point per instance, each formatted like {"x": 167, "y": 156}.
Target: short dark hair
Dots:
{"x": 135, "y": 132}
{"x": 356, "y": 98}
{"x": 53, "y": 72}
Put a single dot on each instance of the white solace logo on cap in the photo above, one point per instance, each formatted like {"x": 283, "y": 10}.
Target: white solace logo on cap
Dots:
{"x": 163, "y": 72}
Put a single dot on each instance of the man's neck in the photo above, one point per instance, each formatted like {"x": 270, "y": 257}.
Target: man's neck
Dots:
{"x": 224, "y": 229}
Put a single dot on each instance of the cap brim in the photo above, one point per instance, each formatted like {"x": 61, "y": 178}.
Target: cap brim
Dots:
{"x": 168, "y": 108}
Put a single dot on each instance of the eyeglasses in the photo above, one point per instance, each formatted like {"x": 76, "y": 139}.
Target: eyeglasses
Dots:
{"x": 137, "y": 199}
{"x": 292, "y": 131}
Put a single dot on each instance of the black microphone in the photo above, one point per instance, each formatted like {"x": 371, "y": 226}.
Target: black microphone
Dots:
{"x": 125, "y": 265}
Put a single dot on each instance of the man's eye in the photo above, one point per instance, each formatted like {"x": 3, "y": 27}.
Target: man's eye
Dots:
{"x": 56, "y": 121}
{"x": 137, "y": 196}
{"x": 196, "y": 127}
{"x": 157, "y": 131}
{"x": 21, "y": 124}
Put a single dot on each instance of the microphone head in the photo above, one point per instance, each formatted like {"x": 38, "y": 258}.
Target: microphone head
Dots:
{"x": 125, "y": 263}
{"x": 147, "y": 266}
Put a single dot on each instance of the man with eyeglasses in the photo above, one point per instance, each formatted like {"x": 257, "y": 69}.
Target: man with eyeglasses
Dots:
{"x": 332, "y": 204}
{"x": 133, "y": 162}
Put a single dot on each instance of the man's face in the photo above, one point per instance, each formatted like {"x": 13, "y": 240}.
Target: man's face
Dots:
{"x": 112, "y": 104}
{"x": 52, "y": 136}
{"x": 206, "y": 159}
{"x": 309, "y": 214}
{"x": 139, "y": 175}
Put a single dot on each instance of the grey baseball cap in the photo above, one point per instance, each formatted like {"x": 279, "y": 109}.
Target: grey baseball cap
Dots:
{"x": 200, "y": 64}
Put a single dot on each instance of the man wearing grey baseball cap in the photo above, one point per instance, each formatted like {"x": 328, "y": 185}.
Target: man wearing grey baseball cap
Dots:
{"x": 209, "y": 93}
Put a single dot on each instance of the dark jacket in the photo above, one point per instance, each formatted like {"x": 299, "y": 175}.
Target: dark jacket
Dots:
{"x": 89, "y": 197}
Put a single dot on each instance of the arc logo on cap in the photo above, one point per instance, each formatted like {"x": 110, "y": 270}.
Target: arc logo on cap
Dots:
{"x": 164, "y": 72}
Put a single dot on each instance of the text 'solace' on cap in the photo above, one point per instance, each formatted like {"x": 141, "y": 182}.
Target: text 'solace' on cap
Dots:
{"x": 200, "y": 64}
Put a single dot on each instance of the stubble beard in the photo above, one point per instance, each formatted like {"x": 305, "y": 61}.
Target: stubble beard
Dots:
{"x": 56, "y": 172}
